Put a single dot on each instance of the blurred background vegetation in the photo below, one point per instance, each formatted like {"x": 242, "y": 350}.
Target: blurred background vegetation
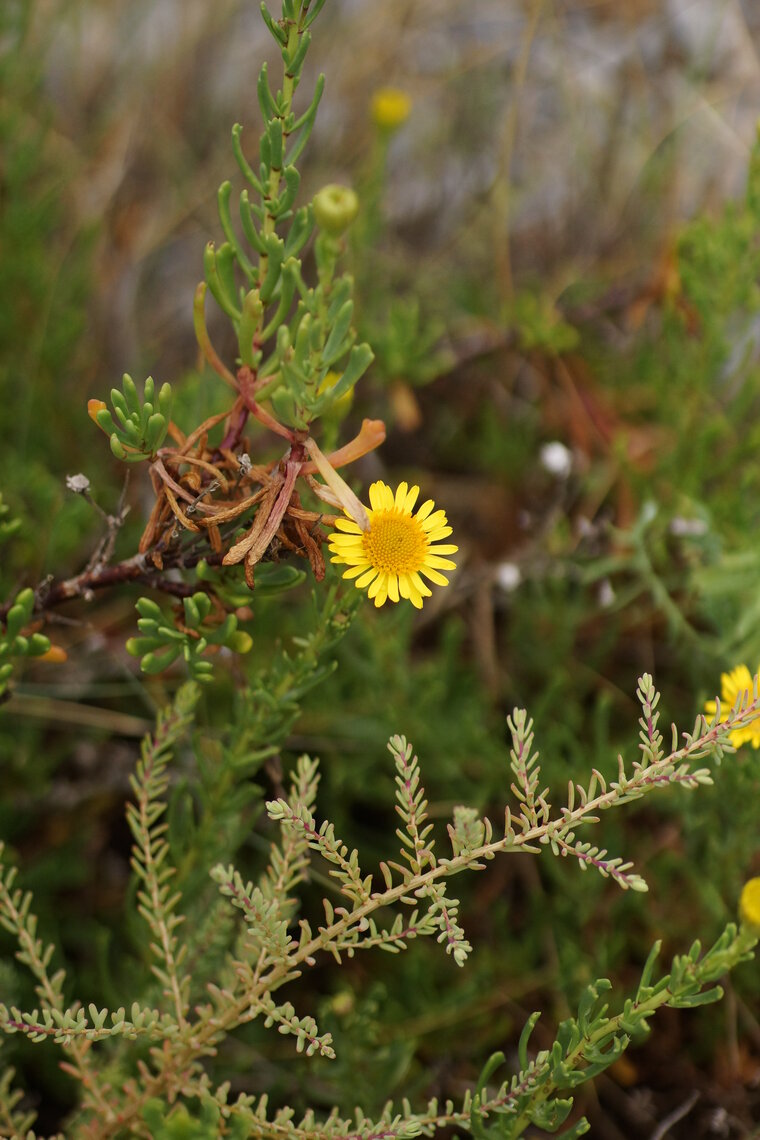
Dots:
{"x": 557, "y": 265}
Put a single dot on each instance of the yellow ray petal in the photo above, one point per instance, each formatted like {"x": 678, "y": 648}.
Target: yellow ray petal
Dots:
{"x": 378, "y": 586}
{"x": 439, "y": 563}
{"x": 434, "y": 576}
{"x": 382, "y": 593}
{"x": 437, "y": 519}
{"x": 420, "y": 586}
{"x": 376, "y": 497}
{"x": 348, "y": 548}
{"x": 411, "y": 499}
{"x": 353, "y": 571}
{"x": 415, "y": 599}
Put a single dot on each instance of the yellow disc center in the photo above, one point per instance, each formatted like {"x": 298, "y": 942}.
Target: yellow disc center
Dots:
{"x": 395, "y": 543}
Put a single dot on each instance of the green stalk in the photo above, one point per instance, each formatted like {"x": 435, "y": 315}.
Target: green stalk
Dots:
{"x": 273, "y": 186}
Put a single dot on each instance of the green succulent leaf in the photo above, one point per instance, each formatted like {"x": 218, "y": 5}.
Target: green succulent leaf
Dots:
{"x": 164, "y": 639}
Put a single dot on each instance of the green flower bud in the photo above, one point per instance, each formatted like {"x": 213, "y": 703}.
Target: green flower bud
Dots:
{"x": 335, "y": 208}
{"x": 239, "y": 641}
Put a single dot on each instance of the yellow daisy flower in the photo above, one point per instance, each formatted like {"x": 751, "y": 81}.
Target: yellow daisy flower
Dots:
{"x": 389, "y": 557}
{"x": 738, "y": 682}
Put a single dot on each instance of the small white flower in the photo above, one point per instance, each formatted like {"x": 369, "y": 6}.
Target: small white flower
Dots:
{"x": 508, "y": 576}
{"x": 687, "y": 528}
{"x": 556, "y": 459}
{"x": 606, "y": 594}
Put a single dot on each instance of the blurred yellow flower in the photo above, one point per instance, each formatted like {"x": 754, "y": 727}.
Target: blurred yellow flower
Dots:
{"x": 389, "y": 557}
{"x": 749, "y": 903}
{"x": 343, "y": 403}
{"x": 738, "y": 683}
{"x": 390, "y": 108}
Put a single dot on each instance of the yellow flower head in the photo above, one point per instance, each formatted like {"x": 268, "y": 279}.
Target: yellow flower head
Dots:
{"x": 749, "y": 903}
{"x": 389, "y": 557}
{"x": 738, "y": 683}
{"x": 390, "y": 108}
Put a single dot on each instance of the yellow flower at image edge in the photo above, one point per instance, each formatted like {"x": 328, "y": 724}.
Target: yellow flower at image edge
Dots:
{"x": 389, "y": 559}
{"x": 749, "y": 903}
{"x": 738, "y": 683}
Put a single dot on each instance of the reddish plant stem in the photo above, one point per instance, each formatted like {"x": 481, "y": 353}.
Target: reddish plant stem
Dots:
{"x": 135, "y": 569}
{"x": 238, "y": 420}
